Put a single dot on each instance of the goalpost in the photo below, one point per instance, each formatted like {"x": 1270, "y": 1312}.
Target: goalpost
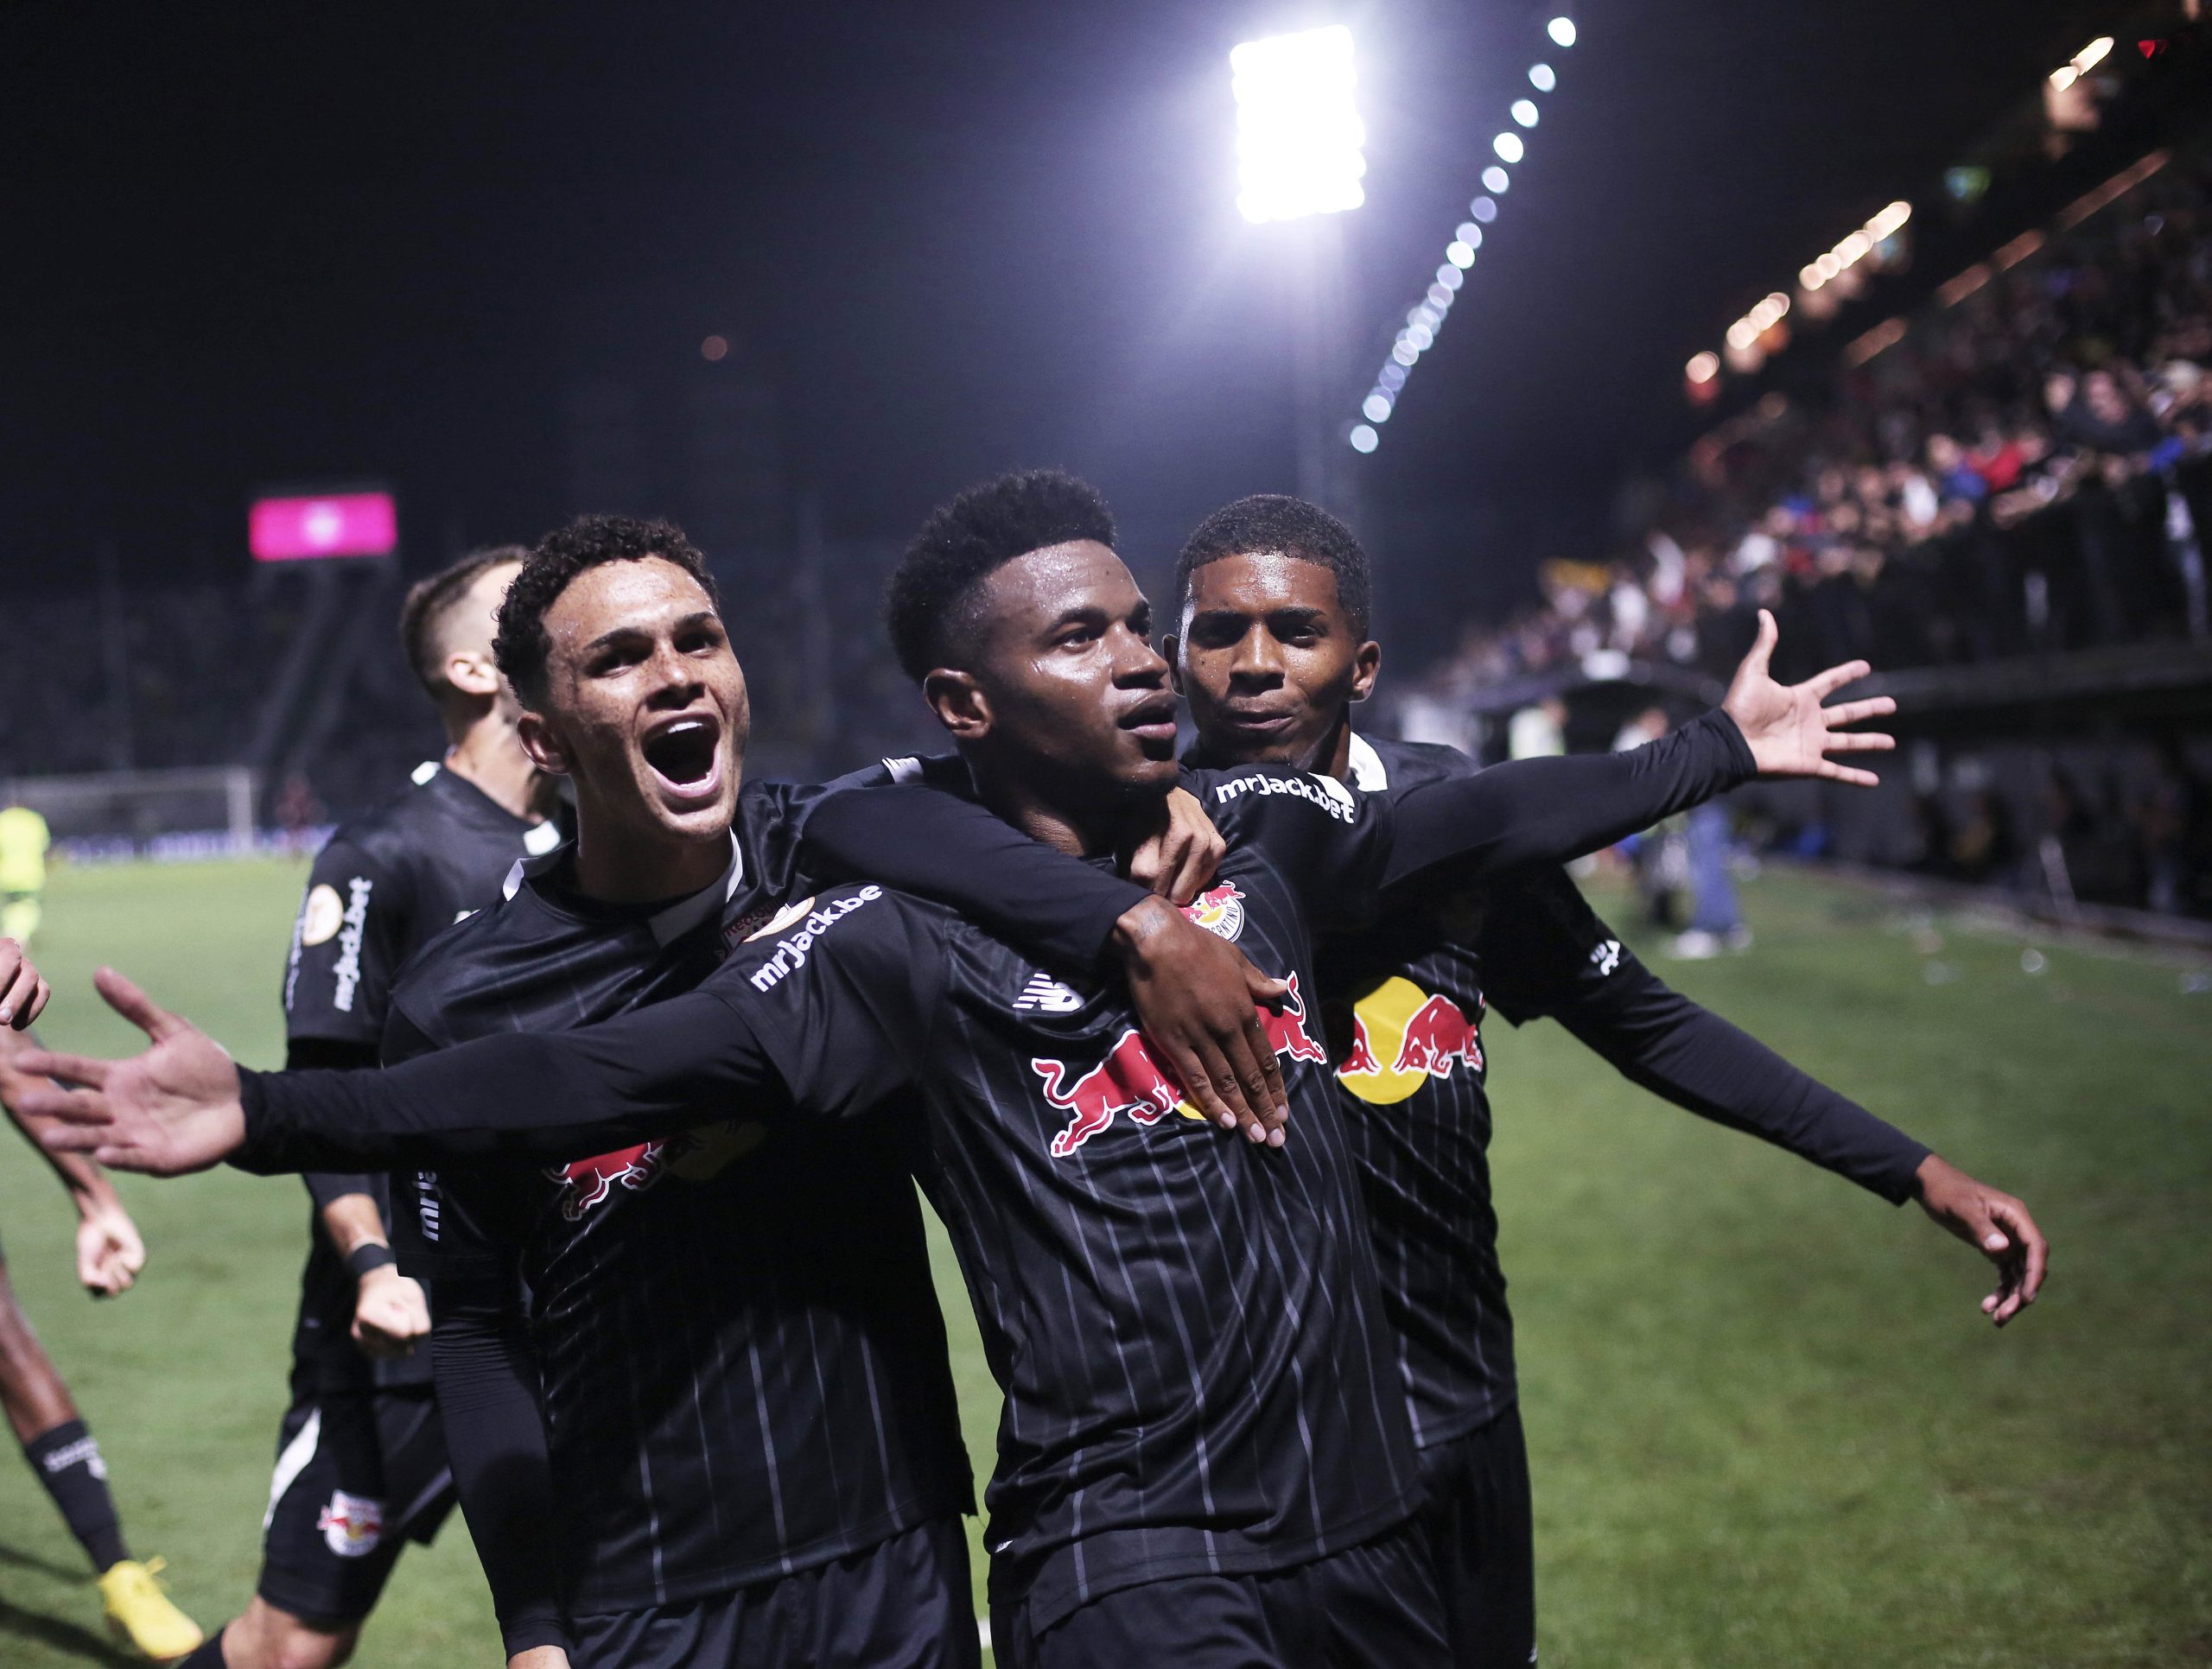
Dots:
{"x": 194, "y": 812}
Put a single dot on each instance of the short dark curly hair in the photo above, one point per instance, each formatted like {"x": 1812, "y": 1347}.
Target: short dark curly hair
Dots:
{"x": 431, "y": 603}
{"x": 928, "y": 606}
{"x": 1274, "y": 522}
{"x": 522, "y": 646}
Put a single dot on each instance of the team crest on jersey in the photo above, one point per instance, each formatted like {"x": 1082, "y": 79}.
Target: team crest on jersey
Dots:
{"x": 1218, "y": 910}
{"x": 1401, "y": 1036}
{"x": 351, "y": 1526}
{"x": 587, "y": 1183}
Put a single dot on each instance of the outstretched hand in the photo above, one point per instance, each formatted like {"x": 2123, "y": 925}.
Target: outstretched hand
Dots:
{"x": 172, "y": 1109}
{"x": 1994, "y": 1224}
{"x": 1790, "y": 733}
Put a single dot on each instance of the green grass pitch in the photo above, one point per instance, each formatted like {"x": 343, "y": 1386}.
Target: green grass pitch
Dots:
{"x": 1769, "y": 1425}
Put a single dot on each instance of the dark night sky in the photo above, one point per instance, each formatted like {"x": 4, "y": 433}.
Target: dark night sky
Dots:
{"x": 248, "y": 243}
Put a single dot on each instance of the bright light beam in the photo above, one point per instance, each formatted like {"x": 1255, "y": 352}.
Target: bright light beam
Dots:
{"x": 1298, "y": 135}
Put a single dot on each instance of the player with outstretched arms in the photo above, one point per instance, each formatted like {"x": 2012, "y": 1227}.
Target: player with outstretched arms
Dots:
{"x": 1272, "y": 652}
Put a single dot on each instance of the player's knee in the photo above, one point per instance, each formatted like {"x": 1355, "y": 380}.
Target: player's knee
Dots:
{"x": 300, "y": 1646}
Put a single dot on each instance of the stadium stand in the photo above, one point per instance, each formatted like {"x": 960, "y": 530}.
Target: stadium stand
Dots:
{"x": 1997, "y": 503}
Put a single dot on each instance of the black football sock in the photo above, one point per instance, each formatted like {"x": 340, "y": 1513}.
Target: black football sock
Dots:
{"x": 68, "y": 1462}
{"x": 207, "y": 1655}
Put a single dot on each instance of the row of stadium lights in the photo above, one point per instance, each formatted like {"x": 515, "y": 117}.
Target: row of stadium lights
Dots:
{"x": 1427, "y": 317}
{"x": 1747, "y": 339}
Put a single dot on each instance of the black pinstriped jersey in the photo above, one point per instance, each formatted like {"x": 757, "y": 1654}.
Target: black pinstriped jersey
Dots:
{"x": 383, "y": 886}
{"x": 744, "y": 1369}
{"x": 1405, "y": 1001}
{"x": 1188, "y": 1329}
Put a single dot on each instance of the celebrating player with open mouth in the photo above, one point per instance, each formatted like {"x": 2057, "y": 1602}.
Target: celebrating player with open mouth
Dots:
{"x": 1204, "y": 1456}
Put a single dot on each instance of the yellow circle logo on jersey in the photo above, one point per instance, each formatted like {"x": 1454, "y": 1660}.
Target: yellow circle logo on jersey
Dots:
{"x": 1401, "y": 1037}
{"x": 321, "y": 916}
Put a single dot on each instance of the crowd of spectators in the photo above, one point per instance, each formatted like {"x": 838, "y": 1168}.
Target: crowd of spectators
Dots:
{"x": 2022, "y": 470}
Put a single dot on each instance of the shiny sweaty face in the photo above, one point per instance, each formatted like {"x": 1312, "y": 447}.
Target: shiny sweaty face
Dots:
{"x": 1074, "y": 685}
{"x": 648, "y": 707}
{"x": 1266, "y": 659}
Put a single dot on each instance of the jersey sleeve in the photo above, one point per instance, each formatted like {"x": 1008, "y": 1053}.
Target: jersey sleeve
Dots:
{"x": 539, "y": 1097}
{"x": 1530, "y": 812}
{"x": 346, "y": 946}
{"x": 1543, "y": 950}
{"x": 939, "y": 845}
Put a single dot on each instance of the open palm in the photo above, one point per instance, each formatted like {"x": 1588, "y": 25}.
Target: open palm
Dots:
{"x": 1790, "y": 733}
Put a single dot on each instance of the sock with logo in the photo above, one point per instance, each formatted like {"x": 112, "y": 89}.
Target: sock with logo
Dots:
{"x": 68, "y": 1462}
{"x": 209, "y": 1655}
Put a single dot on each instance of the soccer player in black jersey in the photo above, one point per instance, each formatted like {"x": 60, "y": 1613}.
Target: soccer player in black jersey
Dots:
{"x": 1202, "y": 1458}
{"x": 748, "y": 1434}
{"x": 361, "y": 1462}
{"x": 1271, "y": 650}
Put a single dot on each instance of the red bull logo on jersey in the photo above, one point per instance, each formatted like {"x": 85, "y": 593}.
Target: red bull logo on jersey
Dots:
{"x": 1134, "y": 1083}
{"x": 351, "y": 1526}
{"x": 587, "y": 1183}
{"x": 1219, "y": 910}
{"x": 1402, "y": 1038}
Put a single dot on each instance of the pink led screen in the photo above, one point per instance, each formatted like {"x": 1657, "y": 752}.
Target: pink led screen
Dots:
{"x": 330, "y": 524}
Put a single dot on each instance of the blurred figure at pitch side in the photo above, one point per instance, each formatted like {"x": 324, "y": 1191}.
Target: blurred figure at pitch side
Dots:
{"x": 63, "y": 1455}
{"x": 23, "y": 843}
{"x": 1272, "y": 652}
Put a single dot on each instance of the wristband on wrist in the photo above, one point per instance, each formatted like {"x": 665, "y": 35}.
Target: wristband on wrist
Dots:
{"x": 369, "y": 1255}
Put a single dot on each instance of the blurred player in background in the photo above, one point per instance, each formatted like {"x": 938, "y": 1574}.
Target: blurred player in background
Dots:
{"x": 62, "y": 1452}
{"x": 361, "y": 1458}
{"x": 1272, "y": 652}
{"x": 23, "y": 842}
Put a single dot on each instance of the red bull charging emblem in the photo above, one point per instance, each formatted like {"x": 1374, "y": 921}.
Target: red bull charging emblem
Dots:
{"x": 1402, "y": 1038}
{"x": 587, "y": 1183}
{"x": 1132, "y": 1082}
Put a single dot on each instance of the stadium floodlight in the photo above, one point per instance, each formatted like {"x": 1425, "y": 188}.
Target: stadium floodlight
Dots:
{"x": 1561, "y": 30}
{"x": 1509, "y": 147}
{"x": 1298, "y": 135}
{"x": 1542, "y": 79}
{"x": 1525, "y": 112}
{"x": 1495, "y": 179}
{"x": 1362, "y": 438}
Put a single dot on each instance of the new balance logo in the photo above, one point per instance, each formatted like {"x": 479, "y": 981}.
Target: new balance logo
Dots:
{"x": 1046, "y": 993}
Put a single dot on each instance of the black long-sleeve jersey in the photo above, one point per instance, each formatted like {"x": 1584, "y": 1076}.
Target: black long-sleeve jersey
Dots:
{"x": 1405, "y": 1001}
{"x": 1188, "y": 1329}
{"x": 383, "y": 886}
{"x": 741, "y": 1361}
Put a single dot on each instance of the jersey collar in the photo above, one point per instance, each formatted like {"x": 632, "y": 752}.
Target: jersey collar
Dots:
{"x": 1369, "y": 774}
{"x": 680, "y": 917}
{"x": 668, "y": 924}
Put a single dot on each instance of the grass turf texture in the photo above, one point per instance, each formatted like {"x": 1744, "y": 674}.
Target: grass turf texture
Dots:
{"x": 1769, "y": 1425}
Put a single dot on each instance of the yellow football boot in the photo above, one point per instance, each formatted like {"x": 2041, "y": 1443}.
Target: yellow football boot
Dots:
{"x": 138, "y": 1610}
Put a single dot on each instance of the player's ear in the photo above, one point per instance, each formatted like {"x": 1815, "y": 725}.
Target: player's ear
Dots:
{"x": 959, "y": 703}
{"x": 1366, "y": 662}
{"x": 1171, "y": 648}
{"x": 539, "y": 741}
{"x": 473, "y": 673}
